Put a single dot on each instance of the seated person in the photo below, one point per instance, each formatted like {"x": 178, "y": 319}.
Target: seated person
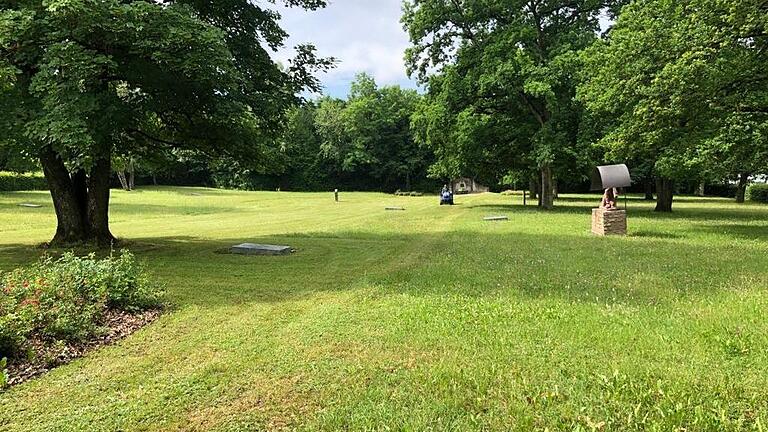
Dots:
{"x": 610, "y": 198}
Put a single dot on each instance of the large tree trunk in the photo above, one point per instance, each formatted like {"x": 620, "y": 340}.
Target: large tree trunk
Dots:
{"x": 665, "y": 191}
{"x": 533, "y": 188}
{"x": 98, "y": 201}
{"x": 741, "y": 189}
{"x": 71, "y": 221}
{"x": 648, "y": 190}
{"x": 408, "y": 181}
{"x": 131, "y": 174}
{"x": 700, "y": 188}
{"x": 81, "y": 200}
{"x": 123, "y": 180}
{"x": 546, "y": 197}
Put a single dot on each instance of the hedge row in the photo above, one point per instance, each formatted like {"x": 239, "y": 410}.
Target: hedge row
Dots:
{"x": 10, "y": 181}
{"x": 758, "y": 192}
{"x": 66, "y": 299}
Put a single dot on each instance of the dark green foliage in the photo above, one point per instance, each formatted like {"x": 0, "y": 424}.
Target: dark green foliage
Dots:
{"x": 20, "y": 182}
{"x": 3, "y": 373}
{"x": 682, "y": 85}
{"x": 363, "y": 143}
{"x": 502, "y": 79}
{"x": 758, "y": 193}
{"x": 65, "y": 299}
{"x": 82, "y": 81}
{"x": 369, "y": 136}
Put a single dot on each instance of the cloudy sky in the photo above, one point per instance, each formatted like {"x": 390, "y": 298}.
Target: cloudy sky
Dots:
{"x": 364, "y": 35}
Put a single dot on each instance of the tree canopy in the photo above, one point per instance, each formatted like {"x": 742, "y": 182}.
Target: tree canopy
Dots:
{"x": 684, "y": 84}
{"x": 502, "y": 79}
{"x": 83, "y": 80}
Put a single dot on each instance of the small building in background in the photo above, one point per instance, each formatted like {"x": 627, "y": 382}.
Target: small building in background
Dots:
{"x": 466, "y": 185}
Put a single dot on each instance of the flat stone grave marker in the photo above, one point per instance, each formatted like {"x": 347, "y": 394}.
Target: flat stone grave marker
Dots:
{"x": 27, "y": 205}
{"x": 496, "y": 218}
{"x": 260, "y": 249}
{"x": 395, "y": 208}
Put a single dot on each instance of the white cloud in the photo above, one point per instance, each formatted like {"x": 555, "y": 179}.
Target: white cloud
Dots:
{"x": 364, "y": 35}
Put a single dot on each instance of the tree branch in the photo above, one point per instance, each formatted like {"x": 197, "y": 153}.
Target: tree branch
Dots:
{"x": 153, "y": 138}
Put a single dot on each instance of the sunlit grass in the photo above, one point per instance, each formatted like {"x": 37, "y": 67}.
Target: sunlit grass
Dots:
{"x": 429, "y": 318}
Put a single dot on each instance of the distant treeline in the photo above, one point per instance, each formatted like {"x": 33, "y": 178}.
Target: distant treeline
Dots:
{"x": 363, "y": 143}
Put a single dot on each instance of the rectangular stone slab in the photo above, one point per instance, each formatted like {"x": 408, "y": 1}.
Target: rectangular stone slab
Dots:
{"x": 259, "y": 249}
{"x": 496, "y": 218}
{"x": 394, "y": 208}
{"x": 30, "y": 205}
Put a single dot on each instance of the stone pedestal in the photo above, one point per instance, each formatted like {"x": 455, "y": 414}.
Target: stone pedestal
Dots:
{"x": 609, "y": 222}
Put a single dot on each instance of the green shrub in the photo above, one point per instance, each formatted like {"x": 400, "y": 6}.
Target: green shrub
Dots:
{"x": 65, "y": 299}
{"x": 18, "y": 182}
{"x": 130, "y": 288}
{"x": 758, "y": 192}
{"x": 16, "y": 323}
{"x": 3, "y": 373}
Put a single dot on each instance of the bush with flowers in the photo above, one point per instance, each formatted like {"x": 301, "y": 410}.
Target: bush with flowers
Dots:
{"x": 65, "y": 299}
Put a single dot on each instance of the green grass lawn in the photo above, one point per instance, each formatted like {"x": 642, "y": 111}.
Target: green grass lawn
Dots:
{"x": 428, "y": 319}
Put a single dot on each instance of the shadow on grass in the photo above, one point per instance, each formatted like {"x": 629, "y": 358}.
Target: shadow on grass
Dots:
{"x": 584, "y": 207}
{"x": 746, "y": 232}
{"x": 654, "y": 234}
{"x": 123, "y": 209}
{"x": 644, "y": 269}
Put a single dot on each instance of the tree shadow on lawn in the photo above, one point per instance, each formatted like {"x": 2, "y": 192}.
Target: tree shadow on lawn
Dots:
{"x": 9, "y": 200}
{"x": 640, "y": 269}
{"x": 702, "y": 214}
{"x": 746, "y": 232}
{"x": 595, "y": 197}
{"x": 120, "y": 209}
{"x": 654, "y": 234}
{"x": 628, "y": 270}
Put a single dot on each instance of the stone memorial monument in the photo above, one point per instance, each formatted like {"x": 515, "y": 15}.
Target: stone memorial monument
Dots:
{"x": 608, "y": 219}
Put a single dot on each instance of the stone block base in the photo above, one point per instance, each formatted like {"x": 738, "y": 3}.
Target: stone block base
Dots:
{"x": 609, "y": 222}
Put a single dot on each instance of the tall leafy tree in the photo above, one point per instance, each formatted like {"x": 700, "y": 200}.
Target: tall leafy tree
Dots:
{"x": 304, "y": 165}
{"x": 331, "y": 127}
{"x": 82, "y": 79}
{"x": 378, "y": 126}
{"x": 369, "y": 135}
{"x": 502, "y": 75}
{"x": 685, "y": 86}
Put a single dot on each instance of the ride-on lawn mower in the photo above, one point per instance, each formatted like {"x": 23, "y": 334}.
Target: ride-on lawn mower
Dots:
{"x": 446, "y": 197}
